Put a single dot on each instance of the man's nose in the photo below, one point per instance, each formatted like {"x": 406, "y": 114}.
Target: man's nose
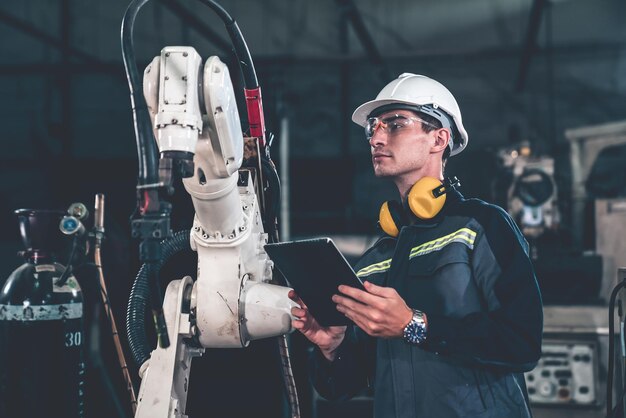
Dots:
{"x": 378, "y": 138}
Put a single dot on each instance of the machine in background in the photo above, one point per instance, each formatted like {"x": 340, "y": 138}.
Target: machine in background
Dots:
{"x": 570, "y": 378}
{"x": 599, "y": 200}
{"x": 576, "y": 267}
{"x": 531, "y": 192}
{"x": 525, "y": 186}
{"x": 599, "y": 195}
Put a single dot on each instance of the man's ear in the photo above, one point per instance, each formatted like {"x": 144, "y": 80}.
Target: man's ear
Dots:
{"x": 442, "y": 138}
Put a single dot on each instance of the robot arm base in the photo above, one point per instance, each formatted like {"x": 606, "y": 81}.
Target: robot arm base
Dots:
{"x": 165, "y": 376}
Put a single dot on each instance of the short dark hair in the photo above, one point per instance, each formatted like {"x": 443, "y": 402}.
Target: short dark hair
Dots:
{"x": 431, "y": 124}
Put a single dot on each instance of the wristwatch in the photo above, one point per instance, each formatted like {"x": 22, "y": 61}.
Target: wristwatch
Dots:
{"x": 415, "y": 331}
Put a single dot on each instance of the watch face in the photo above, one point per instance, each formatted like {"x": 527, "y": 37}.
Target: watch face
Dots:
{"x": 415, "y": 331}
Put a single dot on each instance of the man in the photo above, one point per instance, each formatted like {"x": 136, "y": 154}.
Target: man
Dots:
{"x": 451, "y": 316}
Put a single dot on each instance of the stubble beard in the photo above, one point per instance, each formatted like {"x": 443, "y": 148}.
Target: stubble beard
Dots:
{"x": 384, "y": 172}
{"x": 380, "y": 171}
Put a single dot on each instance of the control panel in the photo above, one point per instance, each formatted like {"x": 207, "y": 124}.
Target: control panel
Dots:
{"x": 567, "y": 373}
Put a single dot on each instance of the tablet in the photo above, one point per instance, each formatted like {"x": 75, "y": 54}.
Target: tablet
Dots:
{"x": 315, "y": 268}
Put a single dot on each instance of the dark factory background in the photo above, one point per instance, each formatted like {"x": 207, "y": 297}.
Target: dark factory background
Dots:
{"x": 526, "y": 74}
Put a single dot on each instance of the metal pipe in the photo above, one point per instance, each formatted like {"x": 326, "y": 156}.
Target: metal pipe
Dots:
{"x": 99, "y": 235}
{"x": 284, "y": 179}
{"x": 114, "y": 333}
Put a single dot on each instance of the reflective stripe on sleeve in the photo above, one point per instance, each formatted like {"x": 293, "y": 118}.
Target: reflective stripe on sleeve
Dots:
{"x": 464, "y": 236}
{"x": 374, "y": 268}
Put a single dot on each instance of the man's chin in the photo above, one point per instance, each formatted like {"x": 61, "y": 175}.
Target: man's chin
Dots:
{"x": 382, "y": 173}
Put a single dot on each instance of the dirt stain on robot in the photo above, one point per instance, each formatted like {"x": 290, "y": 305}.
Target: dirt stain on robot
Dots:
{"x": 227, "y": 329}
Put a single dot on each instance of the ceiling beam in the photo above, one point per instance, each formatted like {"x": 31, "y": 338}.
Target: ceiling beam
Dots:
{"x": 585, "y": 49}
{"x": 198, "y": 25}
{"x": 34, "y": 32}
{"x": 354, "y": 16}
{"x": 530, "y": 43}
{"x": 47, "y": 68}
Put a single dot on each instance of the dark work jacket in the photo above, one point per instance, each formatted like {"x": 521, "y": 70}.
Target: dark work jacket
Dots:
{"x": 468, "y": 269}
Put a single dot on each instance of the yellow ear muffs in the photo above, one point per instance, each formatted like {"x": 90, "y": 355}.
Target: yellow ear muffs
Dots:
{"x": 427, "y": 197}
{"x": 391, "y": 218}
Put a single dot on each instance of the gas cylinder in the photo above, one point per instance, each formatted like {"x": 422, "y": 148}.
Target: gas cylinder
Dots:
{"x": 42, "y": 368}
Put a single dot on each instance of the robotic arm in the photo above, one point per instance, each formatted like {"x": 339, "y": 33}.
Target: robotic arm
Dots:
{"x": 194, "y": 112}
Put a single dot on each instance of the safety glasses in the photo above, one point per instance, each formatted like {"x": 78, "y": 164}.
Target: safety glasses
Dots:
{"x": 392, "y": 125}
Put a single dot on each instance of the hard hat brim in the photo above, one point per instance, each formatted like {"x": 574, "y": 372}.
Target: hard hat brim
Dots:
{"x": 362, "y": 112}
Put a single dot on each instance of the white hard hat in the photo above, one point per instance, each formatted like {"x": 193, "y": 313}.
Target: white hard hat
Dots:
{"x": 427, "y": 96}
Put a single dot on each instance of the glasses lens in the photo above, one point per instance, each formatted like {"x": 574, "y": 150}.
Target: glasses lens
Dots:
{"x": 370, "y": 127}
{"x": 391, "y": 125}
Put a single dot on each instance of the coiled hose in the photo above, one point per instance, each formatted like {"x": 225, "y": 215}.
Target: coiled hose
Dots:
{"x": 140, "y": 293}
{"x": 272, "y": 207}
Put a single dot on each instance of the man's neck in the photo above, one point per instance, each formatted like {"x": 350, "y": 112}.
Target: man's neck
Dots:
{"x": 405, "y": 182}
